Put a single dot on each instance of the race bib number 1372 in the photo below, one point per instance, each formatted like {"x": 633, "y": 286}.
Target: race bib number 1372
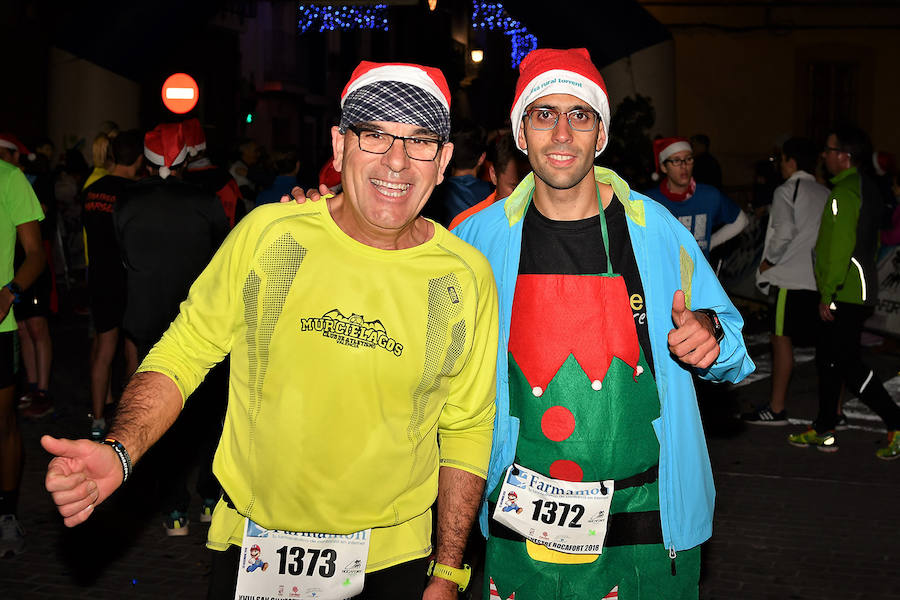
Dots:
{"x": 565, "y": 516}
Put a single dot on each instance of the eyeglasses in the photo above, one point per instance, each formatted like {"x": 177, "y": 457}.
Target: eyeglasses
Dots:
{"x": 379, "y": 142}
{"x": 677, "y": 162}
{"x": 545, "y": 119}
{"x": 830, "y": 149}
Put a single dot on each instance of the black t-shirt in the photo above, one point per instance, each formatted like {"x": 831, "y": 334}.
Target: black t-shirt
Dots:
{"x": 576, "y": 248}
{"x": 106, "y": 272}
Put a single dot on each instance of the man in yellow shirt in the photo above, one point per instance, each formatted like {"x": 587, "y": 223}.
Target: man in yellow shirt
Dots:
{"x": 362, "y": 338}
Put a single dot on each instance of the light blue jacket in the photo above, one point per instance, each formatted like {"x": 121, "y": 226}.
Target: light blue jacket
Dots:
{"x": 668, "y": 260}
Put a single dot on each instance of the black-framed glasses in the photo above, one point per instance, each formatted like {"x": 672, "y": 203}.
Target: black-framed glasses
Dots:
{"x": 831, "y": 149}
{"x": 677, "y": 162}
{"x": 379, "y": 142}
{"x": 545, "y": 119}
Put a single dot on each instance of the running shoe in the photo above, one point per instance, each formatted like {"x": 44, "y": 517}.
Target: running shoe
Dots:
{"x": 176, "y": 523}
{"x": 826, "y": 442}
{"x": 842, "y": 423}
{"x": 892, "y": 450}
{"x": 765, "y": 416}
{"x": 98, "y": 429}
{"x": 24, "y": 400}
{"x": 12, "y": 536}
{"x": 206, "y": 510}
{"x": 41, "y": 406}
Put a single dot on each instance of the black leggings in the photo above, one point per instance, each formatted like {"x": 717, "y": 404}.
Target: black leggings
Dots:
{"x": 838, "y": 361}
{"x": 405, "y": 581}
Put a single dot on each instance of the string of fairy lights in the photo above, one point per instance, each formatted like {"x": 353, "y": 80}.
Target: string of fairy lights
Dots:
{"x": 492, "y": 16}
{"x": 344, "y": 18}
{"x": 488, "y": 16}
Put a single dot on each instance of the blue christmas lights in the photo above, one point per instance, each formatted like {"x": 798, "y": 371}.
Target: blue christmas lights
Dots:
{"x": 344, "y": 18}
{"x": 491, "y": 16}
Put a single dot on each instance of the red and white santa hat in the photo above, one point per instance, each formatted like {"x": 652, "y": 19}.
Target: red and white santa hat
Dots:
{"x": 328, "y": 176}
{"x": 547, "y": 71}
{"x": 663, "y": 148}
{"x": 883, "y": 163}
{"x": 398, "y": 92}
{"x": 164, "y": 146}
{"x": 11, "y": 142}
{"x": 194, "y": 137}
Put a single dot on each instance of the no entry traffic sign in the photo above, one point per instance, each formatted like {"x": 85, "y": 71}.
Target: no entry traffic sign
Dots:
{"x": 180, "y": 93}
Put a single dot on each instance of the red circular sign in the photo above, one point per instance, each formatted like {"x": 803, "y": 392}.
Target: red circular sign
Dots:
{"x": 180, "y": 93}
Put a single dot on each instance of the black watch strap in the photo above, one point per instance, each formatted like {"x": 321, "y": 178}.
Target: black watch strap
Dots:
{"x": 718, "y": 331}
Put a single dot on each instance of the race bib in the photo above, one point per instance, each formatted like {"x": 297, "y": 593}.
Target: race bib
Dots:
{"x": 308, "y": 566}
{"x": 565, "y": 516}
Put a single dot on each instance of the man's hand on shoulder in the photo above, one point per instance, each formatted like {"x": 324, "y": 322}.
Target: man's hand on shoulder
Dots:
{"x": 693, "y": 340}
{"x": 299, "y": 196}
{"x": 81, "y": 475}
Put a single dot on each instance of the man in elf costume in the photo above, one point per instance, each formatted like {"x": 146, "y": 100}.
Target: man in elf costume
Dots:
{"x": 709, "y": 214}
{"x": 597, "y": 425}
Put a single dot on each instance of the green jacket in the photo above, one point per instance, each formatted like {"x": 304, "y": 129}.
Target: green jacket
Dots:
{"x": 848, "y": 240}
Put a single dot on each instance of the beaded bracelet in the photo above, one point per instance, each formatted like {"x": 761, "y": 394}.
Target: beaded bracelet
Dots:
{"x": 122, "y": 453}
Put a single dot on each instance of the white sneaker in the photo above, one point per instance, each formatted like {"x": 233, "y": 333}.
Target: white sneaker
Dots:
{"x": 12, "y": 536}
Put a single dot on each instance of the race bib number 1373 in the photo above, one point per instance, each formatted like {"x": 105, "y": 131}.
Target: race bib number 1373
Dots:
{"x": 305, "y": 566}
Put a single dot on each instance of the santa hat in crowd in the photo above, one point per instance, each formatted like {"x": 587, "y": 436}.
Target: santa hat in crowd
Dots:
{"x": 328, "y": 176}
{"x": 398, "y": 92}
{"x": 164, "y": 147}
{"x": 546, "y": 71}
{"x": 883, "y": 162}
{"x": 663, "y": 148}
{"x": 194, "y": 137}
{"x": 11, "y": 142}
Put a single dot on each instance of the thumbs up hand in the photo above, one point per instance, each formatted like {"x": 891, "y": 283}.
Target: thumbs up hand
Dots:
{"x": 692, "y": 341}
{"x": 81, "y": 475}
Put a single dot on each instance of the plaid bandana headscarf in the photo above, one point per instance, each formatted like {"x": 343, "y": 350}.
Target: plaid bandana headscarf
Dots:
{"x": 397, "y": 102}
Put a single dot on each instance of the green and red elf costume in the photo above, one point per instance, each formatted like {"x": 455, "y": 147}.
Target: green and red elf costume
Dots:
{"x": 579, "y": 399}
{"x": 586, "y": 387}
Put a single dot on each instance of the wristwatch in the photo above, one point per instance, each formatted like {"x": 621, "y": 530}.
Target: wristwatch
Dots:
{"x": 458, "y": 576}
{"x": 16, "y": 291}
{"x": 718, "y": 332}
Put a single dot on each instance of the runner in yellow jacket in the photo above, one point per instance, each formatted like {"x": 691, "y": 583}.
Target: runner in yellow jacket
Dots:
{"x": 362, "y": 339}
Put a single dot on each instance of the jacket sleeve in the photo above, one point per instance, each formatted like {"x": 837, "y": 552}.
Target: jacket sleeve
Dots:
{"x": 733, "y": 363}
{"x": 782, "y": 223}
{"x": 837, "y": 239}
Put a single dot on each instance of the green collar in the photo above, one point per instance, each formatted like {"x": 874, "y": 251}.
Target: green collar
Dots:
{"x": 517, "y": 203}
{"x": 843, "y": 175}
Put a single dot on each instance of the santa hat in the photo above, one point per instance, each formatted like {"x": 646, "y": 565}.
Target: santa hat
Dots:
{"x": 164, "y": 147}
{"x": 328, "y": 176}
{"x": 399, "y": 92}
{"x": 883, "y": 162}
{"x": 194, "y": 137}
{"x": 11, "y": 142}
{"x": 546, "y": 71}
{"x": 663, "y": 148}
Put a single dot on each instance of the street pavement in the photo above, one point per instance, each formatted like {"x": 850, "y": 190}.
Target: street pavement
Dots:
{"x": 790, "y": 523}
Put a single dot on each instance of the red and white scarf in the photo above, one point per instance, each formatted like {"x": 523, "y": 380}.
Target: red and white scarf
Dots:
{"x": 676, "y": 196}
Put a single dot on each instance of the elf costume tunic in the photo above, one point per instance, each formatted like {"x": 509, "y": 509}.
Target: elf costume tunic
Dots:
{"x": 582, "y": 386}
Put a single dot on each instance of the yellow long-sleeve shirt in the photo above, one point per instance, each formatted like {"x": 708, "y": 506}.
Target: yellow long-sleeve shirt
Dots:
{"x": 349, "y": 365}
